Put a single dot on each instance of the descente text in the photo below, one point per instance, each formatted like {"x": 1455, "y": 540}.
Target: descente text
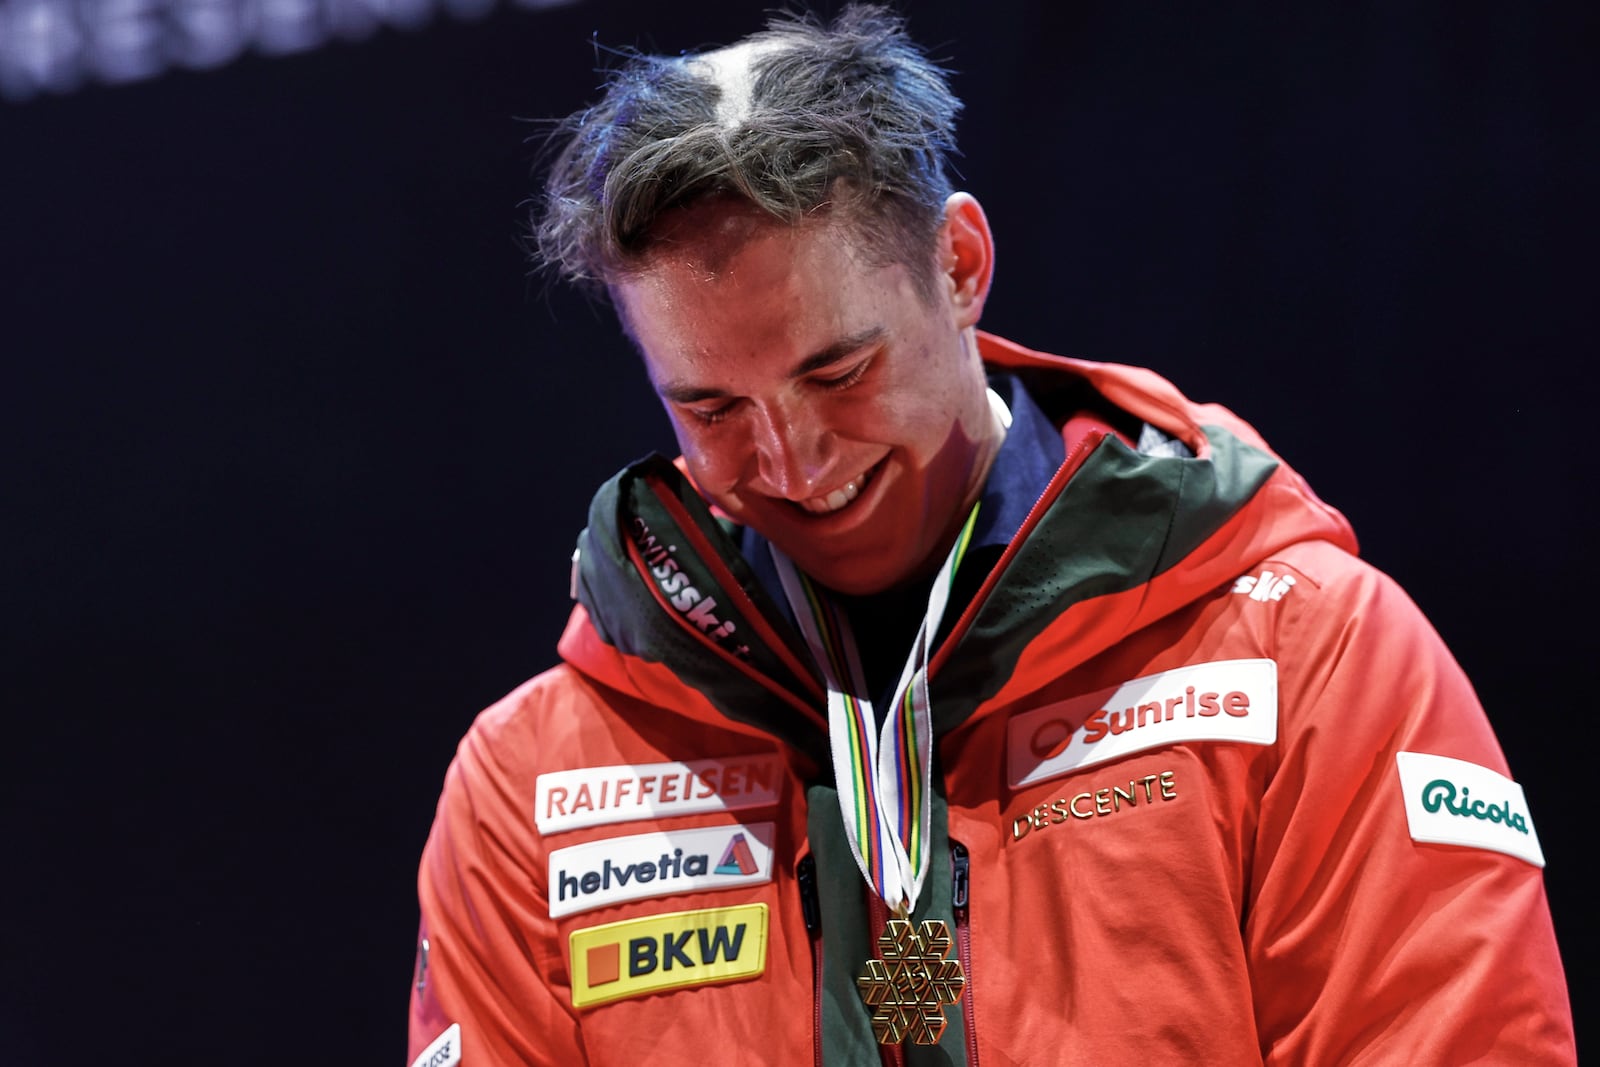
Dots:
{"x": 1098, "y": 804}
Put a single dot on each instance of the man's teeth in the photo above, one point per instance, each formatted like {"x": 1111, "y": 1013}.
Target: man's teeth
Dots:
{"x": 822, "y": 505}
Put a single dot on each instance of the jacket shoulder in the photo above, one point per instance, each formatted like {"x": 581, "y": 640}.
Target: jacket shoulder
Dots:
{"x": 535, "y": 722}
{"x": 1356, "y": 652}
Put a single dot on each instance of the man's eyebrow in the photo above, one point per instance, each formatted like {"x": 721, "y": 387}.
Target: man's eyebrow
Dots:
{"x": 841, "y": 349}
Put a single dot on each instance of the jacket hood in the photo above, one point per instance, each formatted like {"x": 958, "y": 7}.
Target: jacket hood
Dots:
{"x": 670, "y": 612}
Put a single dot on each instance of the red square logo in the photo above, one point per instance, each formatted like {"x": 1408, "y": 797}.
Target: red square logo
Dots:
{"x": 605, "y": 963}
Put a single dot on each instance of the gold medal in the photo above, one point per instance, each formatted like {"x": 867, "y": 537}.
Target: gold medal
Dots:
{"x": 909, "y": 987}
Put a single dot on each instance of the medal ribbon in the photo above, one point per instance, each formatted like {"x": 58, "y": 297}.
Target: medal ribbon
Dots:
{"x": 883, "y": 774}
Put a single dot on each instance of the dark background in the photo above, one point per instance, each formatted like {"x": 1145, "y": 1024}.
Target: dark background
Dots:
{"x": 295, "y": 451}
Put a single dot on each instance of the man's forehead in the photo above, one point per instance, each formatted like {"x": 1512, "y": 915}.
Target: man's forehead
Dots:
{"x": 729, "y": 272}
{"x": 709, "y": 235}
{"x": 711, "y": 253}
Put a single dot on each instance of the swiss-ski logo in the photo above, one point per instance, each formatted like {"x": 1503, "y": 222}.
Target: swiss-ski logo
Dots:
{"x": 1264, "y": 587}
{"x": 678, "y": 589}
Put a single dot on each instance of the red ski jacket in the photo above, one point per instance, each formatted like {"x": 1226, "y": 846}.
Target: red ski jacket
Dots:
{"x": 1209, "y": 790}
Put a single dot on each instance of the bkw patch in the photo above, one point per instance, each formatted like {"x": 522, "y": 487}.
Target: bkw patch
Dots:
{"x": 662, "y": 952}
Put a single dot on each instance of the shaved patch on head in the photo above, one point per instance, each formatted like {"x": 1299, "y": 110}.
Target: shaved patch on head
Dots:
{"x": 729, "y": 69}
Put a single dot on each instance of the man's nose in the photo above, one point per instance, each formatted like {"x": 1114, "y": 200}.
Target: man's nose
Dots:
{"x": 793, "y": 452}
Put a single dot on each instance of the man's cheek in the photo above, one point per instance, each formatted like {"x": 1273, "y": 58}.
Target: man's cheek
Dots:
{"x": 717, "y": 482}
{"x": 700, "y": 457}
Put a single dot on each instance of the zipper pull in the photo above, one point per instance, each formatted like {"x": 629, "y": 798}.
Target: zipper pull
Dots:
{"x": 959, "y": 875}
{"x": 810, "y": 907}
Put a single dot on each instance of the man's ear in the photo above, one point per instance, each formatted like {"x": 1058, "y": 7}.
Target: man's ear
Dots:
{"x": 966, "y": 257}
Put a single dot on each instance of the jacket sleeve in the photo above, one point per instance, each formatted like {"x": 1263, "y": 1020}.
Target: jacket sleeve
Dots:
{"x": 1368, "y": 945}
{"x": 489, "y": 967}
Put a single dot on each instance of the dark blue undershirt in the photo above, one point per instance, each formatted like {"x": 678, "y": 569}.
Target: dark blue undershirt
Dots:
{"x": 885, "y": 624}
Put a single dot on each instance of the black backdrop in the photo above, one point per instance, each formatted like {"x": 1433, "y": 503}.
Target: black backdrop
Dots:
{"x": 295, "y": 451}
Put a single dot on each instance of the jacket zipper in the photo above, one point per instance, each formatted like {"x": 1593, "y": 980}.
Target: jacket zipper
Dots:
{"x": 811, "y": 911}
{"x": 1075, "y": 459}
{"x": 960, "y": 887}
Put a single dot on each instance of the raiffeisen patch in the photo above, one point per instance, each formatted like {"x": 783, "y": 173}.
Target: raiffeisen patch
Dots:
{"x": 596, "y": 796}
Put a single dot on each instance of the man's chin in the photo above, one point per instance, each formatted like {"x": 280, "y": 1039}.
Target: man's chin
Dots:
{"x": 855, "y": 575}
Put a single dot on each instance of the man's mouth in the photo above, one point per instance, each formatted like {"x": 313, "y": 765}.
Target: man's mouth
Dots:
{"x": 838, "y": 498}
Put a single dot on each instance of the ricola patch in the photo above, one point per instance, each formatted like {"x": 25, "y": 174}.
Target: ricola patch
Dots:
{"x": 1454, "y": 802}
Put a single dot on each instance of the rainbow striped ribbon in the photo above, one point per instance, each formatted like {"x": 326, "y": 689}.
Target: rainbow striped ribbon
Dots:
{"x": 883, "y": 774}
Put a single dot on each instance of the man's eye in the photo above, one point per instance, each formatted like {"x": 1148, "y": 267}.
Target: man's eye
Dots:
{"x": 710, "y": 416}
{"x": 846, "y": 380}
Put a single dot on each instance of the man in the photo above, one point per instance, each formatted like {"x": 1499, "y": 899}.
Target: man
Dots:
{"x": 947, "y": 701}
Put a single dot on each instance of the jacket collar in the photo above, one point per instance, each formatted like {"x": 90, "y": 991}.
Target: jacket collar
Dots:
{"x": 671, "y": 613}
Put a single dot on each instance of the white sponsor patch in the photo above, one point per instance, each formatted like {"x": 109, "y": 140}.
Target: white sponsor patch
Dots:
{"x": 1453, "y": 802}
{"x": 444, "y": 1052}
{"x": 595, "y": 796}
{"x": 1227, "y": 700}
{"x": 593, "y": 875}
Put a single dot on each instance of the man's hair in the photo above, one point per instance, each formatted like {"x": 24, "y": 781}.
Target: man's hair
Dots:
{"x": 851, "y": 115}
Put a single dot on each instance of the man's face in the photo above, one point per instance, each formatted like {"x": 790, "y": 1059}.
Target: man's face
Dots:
{"x": 821, "y": 399}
